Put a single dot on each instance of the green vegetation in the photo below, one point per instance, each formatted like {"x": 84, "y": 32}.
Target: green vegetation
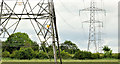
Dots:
{"x": 107, "y": 52}
{"x": 23, "y": 53}
{"x": 19, "y": 46}
{"x": 18, "y": 40}
{"x": 69, "y": 47}
{"x": 82, "y": 55}
{"x": 65, "y": 55}
{"x": 5, "y": 54}
{"x": 64, "y": 60}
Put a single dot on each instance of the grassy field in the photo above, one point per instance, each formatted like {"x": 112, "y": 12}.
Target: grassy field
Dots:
{"x": 65, "y": 61}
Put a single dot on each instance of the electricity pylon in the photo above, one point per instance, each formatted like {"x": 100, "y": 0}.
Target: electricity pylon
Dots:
{"x": 41, "y": 16}
{"x": 92, "y": 24}
{"x": 100, "y": 26}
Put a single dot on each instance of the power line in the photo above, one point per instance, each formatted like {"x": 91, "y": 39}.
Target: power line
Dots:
{"x": 65, "y": 20}
{"x": 69, "y": 12}
{"x": 67, "y": 8}
{"x": 84, "y": 3}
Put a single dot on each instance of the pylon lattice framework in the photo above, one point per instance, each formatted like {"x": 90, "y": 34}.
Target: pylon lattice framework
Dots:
{"x": 92, "y": 24}
{"x": 42, "y": 14}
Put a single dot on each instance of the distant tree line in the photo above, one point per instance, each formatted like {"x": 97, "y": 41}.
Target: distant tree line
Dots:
{"x": 20, "y": 46}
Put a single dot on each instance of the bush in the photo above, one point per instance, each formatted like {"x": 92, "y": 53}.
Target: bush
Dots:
{"x": 42, "y": 55}
{"x": 65, "y": 55}
{"x": 118, "y": 55}
{"x": 5, "y": 54}
{"x": 115, "y": 55}
{"x": 15, "y": 54}
{"x": 23, "y": 53}
{"x": 108, "y": 54}
{"x": 79, "y": 55}
{"x": 51, "y": 55}
{"x": 87, "y": 54}
{"x": 82, "y": 55}
{"x": 101, "y": 55}
{"x": 95, "y": 56}
{"x": 35, "y": 54}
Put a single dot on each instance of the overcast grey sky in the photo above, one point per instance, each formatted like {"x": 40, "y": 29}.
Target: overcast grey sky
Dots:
{"x": 70, "y": 23}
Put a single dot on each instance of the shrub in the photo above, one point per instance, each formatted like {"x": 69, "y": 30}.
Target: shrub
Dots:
{"x": 42, "y": 55}
{"x": 108, "y": 54}
{"x": 65, "y": 55}
{"x": 79, "y": 55}
{"x": 82, "y": 55}
{"x": 101, "y": 55}
{"x": 118, "y": 55}
{"x": 5, "y": 54}
{"x": 35, "y": 54}
{"x": 87, "y": 54}
{"x": 115, "y": 55}
{"x": 15, "y": 54}
{"x": 23, "y": 53}
{"x": 51, "y": 55}
{"x": 95, "y": 56}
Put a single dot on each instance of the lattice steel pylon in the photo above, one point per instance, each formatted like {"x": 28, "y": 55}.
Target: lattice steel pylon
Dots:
{"x": 40, "y": 14}
{"x": 92, "y": 24}
{"x": 100, "y": 37}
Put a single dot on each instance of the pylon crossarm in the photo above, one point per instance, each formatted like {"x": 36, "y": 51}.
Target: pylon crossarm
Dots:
{"x": 90, "y": 8}
{"x": 12, "y": 11}
{"x": 93, "y": 22}
{"x": 86, "y": 9}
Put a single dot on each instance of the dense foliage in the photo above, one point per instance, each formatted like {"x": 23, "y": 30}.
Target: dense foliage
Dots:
{"x": 23, "y": 53}
{"x": 17, "y": 40}
{"x": 82, "y": 55}
{"x": 107, "y": 52}
{"x": 69, "y": 47}
{"x": 20, "y": 46}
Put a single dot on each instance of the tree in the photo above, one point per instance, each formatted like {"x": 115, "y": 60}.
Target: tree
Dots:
{"x": 69, "y": 47}
{"x": 43, "y": 46}
{"x": 17, "y": 40}
{"x": 35, "y": 46}
{"x": 106, "y": 48}
{"x": 23, "y": 53}
{"x": 107, "y": 52}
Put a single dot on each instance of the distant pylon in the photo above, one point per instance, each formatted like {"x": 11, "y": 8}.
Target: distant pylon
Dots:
{"x": 100, "y": 37}
{"x": 92, "y": 24}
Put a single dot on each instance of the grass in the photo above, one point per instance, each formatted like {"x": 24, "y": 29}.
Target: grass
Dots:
{"x": 64, "y": 60}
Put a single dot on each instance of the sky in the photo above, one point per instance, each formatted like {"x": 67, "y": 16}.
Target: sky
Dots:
{"x": 70, "y": 26}
{"x": 68, "y": 17}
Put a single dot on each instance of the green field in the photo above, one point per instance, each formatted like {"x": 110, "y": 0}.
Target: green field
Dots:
{"x": 70, "y": 60}
{"x": 65, "y": 61}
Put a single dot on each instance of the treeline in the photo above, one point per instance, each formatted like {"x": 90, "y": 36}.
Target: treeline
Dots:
{"x": 20, "y": 46}
{"x": 29, "y": 53}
